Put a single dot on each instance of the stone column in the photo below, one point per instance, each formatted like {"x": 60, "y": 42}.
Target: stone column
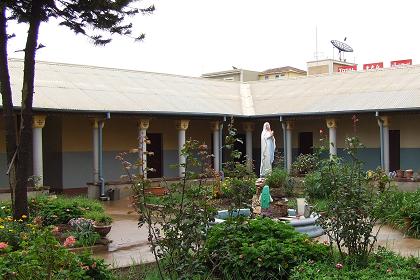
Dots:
{"x": 38, "y": 171}
{"x": 383, "y": 123}
{"x": 249, "y": 128}
{"x": 289, "y": 155}
{"x": 332, "y": 136}
{"x": 215, "y": 128}
{"x": 386, "y": 143}
{"x": 143, "y": 125}
{"x": 181, "y": 126}
{"x": 95, "y": 130}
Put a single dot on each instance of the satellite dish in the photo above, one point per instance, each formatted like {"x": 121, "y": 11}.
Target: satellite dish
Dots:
{"x": 341, "y": 46}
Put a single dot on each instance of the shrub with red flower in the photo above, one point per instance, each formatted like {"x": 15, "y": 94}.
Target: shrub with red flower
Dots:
{"x": 339, "y": 266}
{"x": 69, "y": 242}
{"x": 3, "y": 245}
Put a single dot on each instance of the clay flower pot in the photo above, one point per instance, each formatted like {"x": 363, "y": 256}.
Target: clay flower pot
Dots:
{"x": 103, "y": 230}
{"x": 400, "y": 174}
{"x": 409, "y": 173}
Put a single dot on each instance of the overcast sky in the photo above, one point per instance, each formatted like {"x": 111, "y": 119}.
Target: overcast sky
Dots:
{"x": 191, "y": 37}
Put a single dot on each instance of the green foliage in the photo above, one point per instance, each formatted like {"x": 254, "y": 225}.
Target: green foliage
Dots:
{"x": 382, "y": 265}
{"x": 403, "y": 211}
{"x": 239, "y": 185}
{"x": 178, "y": 227}
{"x": 278, "y": 178}
{"x": 13, "y": 232}
{"x": 84, "y": 232}
{"x": 304, "y": 164}
{"x": 258, "y": 249}
{"x": 44, "y": 258}
{"x": 351, "y": 206}
{"x": 99, "y": 218}
{"x": 60, "y": 210}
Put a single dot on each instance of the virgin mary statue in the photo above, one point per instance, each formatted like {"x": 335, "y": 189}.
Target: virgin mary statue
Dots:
{"x": 268, "y": 145}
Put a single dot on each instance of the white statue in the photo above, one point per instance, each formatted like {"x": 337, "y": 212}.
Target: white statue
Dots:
{"x": 268, "y": 146}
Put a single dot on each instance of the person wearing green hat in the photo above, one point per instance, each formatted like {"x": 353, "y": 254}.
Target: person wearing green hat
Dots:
{"x": 265, "y": 200}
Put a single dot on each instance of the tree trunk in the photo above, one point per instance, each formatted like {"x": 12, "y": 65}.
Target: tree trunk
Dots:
{"x": 7, "y": 102}
{"x": 25, "y": 144}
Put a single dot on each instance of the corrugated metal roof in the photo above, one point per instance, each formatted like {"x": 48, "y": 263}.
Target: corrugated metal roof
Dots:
{"x": 86, "y": 88}
{"x": 384, "y": 89}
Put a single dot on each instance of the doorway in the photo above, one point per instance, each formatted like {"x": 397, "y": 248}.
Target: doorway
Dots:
{"x": 241, "y": 147}
{"x": 155, "y": 161}
{"x": 306, "y": 143}
{"x": 394, "y": 150}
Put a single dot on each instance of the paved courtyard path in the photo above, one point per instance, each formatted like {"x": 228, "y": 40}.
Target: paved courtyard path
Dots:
{"x": 129, "y": 242}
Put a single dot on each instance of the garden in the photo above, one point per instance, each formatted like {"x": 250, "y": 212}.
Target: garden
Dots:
{"x": 43, "y": 245}
{"x": 349, "y": 202}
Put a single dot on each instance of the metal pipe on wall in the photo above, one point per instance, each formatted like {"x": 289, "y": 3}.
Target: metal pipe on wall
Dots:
{"x": 283, "y": 126}
{"x": 381, "y": 134}
{"x": 102, "y": 194}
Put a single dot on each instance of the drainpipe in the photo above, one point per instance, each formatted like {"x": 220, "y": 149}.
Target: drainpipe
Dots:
{"x": 221, "y": 145}
{"x": 102, "y": 195}
{"x": 381, "y": 134}
{"x": 283, "y": 126}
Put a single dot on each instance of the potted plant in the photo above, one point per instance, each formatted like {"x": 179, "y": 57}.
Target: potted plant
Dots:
{"x": 101, "y": 222}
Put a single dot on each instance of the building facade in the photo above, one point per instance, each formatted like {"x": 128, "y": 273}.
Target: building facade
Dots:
{"x": 76, "y": 105}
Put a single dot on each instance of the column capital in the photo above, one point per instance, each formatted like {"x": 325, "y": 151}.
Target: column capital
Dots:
{"x": 385, "y": 120}
{"x": 331, "y": 123}
{"x": 38, "y": 121}
{"x": 143, "y": 124}
{"x": 95, "y": 122}
{"x": 215, "y": 126}
{"x": 248, "y": 126}
{"x": 290, "y": 125}
{"x": 182, "y": 124}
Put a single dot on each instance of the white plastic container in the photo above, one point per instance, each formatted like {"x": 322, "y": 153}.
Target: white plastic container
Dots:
{"x": 301, "y": 202}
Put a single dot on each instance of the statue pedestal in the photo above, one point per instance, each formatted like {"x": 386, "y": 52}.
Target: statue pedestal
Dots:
{"x": 259, "y": 184}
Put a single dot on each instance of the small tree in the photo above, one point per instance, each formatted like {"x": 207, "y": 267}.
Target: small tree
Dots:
{"x": 97, "y": 20}
{"x": 240, "y": 180}
{"x": 178, "y": 226}
{"x": 351, "y": 206}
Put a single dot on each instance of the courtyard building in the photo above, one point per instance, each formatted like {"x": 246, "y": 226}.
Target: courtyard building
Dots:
{"x": 84, "y": 116}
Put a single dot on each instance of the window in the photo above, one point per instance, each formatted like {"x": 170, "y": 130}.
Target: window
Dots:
{"x": 277, "y": 76}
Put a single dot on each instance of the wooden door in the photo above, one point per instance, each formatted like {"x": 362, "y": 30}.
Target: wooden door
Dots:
{"x": 394, "y": 150}
{"x": 305, "y": 143}
{"x": 155, "y": 161}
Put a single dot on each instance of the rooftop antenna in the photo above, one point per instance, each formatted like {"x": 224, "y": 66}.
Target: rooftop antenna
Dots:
{"x": 341, "y": 47}
{"x": 316, "y": 42}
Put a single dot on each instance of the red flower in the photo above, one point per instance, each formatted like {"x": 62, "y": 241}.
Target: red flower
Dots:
{"x": 339, "y": 266}
{"x": 69, "y": 242}
{"x": 321, "y": 131}
{"x": 3, "y": 245}
{"x": 55, "y": 230}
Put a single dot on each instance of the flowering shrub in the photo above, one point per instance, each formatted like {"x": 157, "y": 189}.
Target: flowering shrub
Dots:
{"x": 83, "y": 231}
{"x": 258, "y": 249}
{"x": 70, "y": 241}
{"x": 44, "y": 258}
{"x": 304, "y": 164}
{"x": 60, "y": 210}
{"x": 382, "y": 265}
{"x": 13, "y": 232}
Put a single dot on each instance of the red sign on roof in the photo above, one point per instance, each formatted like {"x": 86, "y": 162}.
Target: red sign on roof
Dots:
{"x": 348, "y": 68}
{"x": 375, "y": 65}
{"x": 401, "y": 62}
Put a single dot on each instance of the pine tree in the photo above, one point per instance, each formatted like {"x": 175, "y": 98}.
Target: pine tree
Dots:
{"x": 98, "y": 20}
